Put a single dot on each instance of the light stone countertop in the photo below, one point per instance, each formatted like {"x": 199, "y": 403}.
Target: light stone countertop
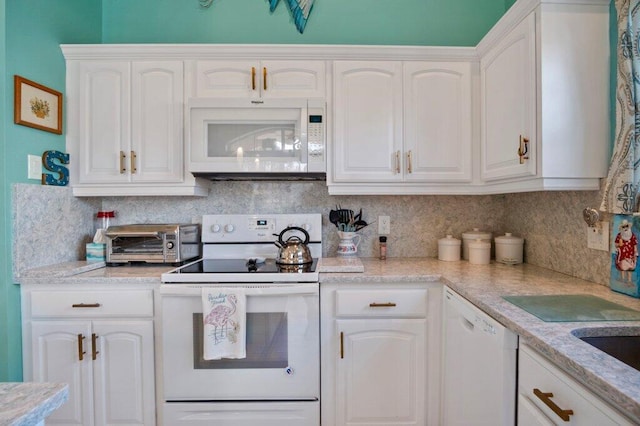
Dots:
{"x": 484, "y": 286}
{"x": 27, "y": 404}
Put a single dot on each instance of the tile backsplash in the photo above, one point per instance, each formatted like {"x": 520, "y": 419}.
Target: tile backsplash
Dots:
{"x": 51, "y": 226}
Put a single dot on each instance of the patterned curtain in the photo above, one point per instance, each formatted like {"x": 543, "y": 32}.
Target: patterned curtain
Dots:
{"x": 621, "y": 190}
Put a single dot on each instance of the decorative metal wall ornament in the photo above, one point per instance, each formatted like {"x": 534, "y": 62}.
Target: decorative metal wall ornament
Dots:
{"x": 300, "y": 10}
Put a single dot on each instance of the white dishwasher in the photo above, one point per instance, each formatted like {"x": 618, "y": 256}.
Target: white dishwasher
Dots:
{"x": 479, "y": 359}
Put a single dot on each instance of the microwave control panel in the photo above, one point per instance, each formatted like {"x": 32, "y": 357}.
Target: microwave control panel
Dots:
{"x": 316, "y": 140}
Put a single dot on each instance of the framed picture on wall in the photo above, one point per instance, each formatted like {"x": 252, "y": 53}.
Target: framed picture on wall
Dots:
{"x": 37, "y": 106}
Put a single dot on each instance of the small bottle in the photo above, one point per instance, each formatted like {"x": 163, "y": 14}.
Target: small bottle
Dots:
{"x": 383, "y": 248}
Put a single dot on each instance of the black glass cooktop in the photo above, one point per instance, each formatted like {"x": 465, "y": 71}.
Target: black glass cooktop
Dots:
{"x": 239, "y": 266}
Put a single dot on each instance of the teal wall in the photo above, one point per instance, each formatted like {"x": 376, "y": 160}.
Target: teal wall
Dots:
{"x": 32, "y": 32}
{"x": 412, "y": 22}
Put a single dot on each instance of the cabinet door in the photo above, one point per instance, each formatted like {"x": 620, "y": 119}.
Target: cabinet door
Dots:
{"x": 56, "y": 358}
{"x": 367, "y": 121}
{"x": 293, "y": 79}
{"x": 227, "y": 79}
{"x": 381, "y": 372}
{"x": 252, "y": 79}
{"x": 508, "y": 93}
{"x": 124, "y": 373}
{"x": 437, "y": 121}
{"x": 104, "y": 117}
{"x": 157, "y": 116}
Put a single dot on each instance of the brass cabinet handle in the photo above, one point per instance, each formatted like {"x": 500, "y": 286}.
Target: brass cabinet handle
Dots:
{"x": 409, "y": 165}
{"x": 341, "y": 345}
{"x": 523, "y": 149}
{"x": 81, "y": 351}
{"x": 134, "y": 157}
{"x": 253, "y": 78}
{"x": 546, "y": 398}
{"x": 86, "y": 305}
{"x": 264, "y": 78}
{"x": 123, "y": 167}
{"x": 397, "y": 162}
{"x": 382, "y": 305}
{"x": 94, "y": 352}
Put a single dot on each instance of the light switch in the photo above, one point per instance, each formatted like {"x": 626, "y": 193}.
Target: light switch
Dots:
{"x": 34, "y": 169}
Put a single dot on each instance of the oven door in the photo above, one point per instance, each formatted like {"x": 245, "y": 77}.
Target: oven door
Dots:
{"x": 282, "y": 362}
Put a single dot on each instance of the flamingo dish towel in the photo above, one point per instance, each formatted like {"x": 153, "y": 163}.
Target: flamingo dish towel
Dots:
{"x": 224, "y": 314}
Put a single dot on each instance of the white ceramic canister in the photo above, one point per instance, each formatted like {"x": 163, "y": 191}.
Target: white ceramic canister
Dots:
{"x": 509, "y": 249}
{"x": 475, "y": 234}
{"x": 449, "y": 249}
{"x": 479, "y": 252}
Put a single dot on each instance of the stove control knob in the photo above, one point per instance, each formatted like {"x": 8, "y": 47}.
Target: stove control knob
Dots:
{"x": 215, "y": 228}
{"x": 229, "y": 228}
{"x": 169, "y": 245}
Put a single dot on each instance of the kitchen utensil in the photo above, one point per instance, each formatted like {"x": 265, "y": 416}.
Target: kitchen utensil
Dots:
{"x": 294, "y": 251}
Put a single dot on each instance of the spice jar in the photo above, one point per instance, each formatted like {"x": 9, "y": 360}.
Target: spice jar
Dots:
{"x": 383, "y": 247}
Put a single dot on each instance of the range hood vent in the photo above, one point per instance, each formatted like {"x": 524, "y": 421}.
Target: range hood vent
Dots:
{"x": 320, "y": 176}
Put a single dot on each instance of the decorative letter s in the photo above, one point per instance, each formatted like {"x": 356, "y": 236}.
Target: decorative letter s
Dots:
{"x": 48, "y": 158}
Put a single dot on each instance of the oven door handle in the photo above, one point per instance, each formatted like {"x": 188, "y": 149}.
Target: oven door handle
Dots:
{"x": 274, "y": 290}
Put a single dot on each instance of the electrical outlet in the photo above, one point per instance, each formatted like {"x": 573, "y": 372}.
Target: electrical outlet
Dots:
{"x": 384, "y": 225}
{"x": 598, "y": 236}
{"x": 34, "y": 168}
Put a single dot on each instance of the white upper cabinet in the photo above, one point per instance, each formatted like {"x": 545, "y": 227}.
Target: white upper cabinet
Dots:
{"x": 437, "y": 121}
{"x": 156, "y": 123}
{"x": 400, "y": 122}
{"x": 508, "y": 87}
{"x": 125, "y": 128}
{"x": 545, "y": 79}
{"x": 367, "y": 121}
{"x": 103, "y": 122}
{"x": 251, "y": 79}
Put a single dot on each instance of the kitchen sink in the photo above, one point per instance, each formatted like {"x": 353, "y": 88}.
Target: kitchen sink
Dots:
{"x": 624, "y": 348}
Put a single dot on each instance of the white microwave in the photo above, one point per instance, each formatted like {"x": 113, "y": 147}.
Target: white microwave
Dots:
{"x": 249, "y": 139}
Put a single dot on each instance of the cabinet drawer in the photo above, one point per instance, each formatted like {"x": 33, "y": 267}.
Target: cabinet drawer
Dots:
{"x": 381, "y": 303}
{"x": 535, "y": 372}
{"x": 83, "y": 304}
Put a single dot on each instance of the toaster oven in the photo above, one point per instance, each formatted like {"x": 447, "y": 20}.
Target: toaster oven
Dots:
{"x": 152, "y": 243}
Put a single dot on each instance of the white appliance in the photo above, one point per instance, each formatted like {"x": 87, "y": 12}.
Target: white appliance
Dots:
{"x": 270, "y": 138}
{"x": 278, "y": 383}
{"x": 479, "y": 386}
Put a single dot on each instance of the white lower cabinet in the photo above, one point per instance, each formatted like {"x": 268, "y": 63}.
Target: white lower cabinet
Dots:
{"x": 101, "y": 344}
{"x": 548, "y": 396}
{"x": 380, "y": 356}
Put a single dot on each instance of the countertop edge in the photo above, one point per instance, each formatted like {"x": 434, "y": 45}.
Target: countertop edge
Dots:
{"x": 39, "y": 401}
